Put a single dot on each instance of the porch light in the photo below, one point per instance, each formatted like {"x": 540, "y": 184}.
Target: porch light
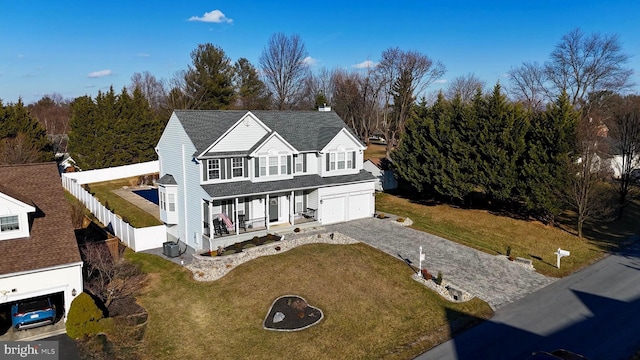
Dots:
{"x": 73, "y": 292}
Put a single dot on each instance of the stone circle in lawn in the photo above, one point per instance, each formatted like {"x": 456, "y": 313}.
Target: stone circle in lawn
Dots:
{"x": 291, "y": 313}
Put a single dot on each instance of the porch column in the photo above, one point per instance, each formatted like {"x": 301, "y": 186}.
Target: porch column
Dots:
{"x": 235, "y": 215}
{"x": 266, "y": 211}
{"x": 292, "y": 202}
{"x": 212, "y": 231}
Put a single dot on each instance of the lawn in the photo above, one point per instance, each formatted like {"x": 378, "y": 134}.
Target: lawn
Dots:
{"x": 372, "y": 308}
{"x": 375, "y": 151}
{"x": 492, "y": 233}
{"x": 135, "y": 216}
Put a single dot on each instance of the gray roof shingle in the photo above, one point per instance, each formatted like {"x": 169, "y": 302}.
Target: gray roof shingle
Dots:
{"x": 248, "y": 188}
{"x": 167, "y": 179}
{"x": 304, "y": 130}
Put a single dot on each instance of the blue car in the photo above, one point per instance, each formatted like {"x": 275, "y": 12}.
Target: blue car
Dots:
{"x": 32, "y": 313}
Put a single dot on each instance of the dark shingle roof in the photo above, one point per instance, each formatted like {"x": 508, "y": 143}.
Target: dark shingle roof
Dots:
{"x": 245, "y": 188}
{"x": 52, "y": 241}
{"x": 167, "y": 179}
{"x": 304, "y": 130}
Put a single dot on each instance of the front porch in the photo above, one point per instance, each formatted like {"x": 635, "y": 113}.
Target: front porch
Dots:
{"x": 240, "y": 218}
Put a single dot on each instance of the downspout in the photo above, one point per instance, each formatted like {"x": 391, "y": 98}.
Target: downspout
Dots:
{"x": 184, "y": 198}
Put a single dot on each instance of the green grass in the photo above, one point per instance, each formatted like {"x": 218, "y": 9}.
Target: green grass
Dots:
{"x": 492, "y": 233}
{"x": 134, "y": 215}
{"x": 372, "y": 308}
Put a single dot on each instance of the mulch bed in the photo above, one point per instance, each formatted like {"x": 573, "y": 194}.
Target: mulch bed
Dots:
{"x": 291, "y": 313}
{"x": 238, "y": 247}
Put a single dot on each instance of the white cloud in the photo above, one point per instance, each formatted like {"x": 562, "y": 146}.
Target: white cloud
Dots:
{"x": 367, "y": 64}
{"x": 440, "y": 81}
{"x": 215, "y": 16}
{"x": 309, "y": 61}
{"x": 98, "y": 74}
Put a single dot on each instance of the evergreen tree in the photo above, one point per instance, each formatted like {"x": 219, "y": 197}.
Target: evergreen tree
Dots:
{"x": 251, "y": 92}
{"x": 208, "y": 80}
{"x": 550, "y": 147}
{"x": 22, "y": 138}
{"x": 501, "y": 130}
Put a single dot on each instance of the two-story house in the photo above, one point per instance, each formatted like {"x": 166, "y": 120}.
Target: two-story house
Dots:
{"x": 226, "y": 174}
{"x": 40, "y": 255}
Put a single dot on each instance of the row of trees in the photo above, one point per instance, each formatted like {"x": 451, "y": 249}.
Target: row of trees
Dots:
{"x": 489, "y": 145}
{"x": 113, "y": 129}
{"x": 22, "y": 138}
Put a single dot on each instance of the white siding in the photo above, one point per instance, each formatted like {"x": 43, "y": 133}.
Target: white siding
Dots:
{"x": 63, "y": 279}
{"x": 242, "y": 137}
{"x": 175, "y": 152}
{"x": 312, "y": 163}
{"x": 274, "y": 146}
{"x": 342, "y": 140}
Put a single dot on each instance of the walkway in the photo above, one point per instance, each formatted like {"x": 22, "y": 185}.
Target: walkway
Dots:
{"x": 493, "y": 279}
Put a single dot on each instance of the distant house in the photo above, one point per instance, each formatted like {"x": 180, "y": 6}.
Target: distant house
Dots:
{"x": 40, "y": 255}
{"x": 380, "y": 169}
{"x": 227, "y": 174}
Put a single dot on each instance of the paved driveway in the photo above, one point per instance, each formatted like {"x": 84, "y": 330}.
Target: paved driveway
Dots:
{"x": 495, "y": 280}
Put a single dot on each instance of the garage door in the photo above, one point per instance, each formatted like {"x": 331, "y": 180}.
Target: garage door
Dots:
{"x": 359, "y": 206}
{"x": 333, "y": 210}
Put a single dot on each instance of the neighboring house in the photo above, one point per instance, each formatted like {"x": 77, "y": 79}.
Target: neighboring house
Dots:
{"x": 380, "y": 169}
{"x": 253, "y": 171}
{"x": 40, "y": 255}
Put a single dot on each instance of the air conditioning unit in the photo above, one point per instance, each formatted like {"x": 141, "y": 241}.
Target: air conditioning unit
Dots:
{"x": 170, "y": 249}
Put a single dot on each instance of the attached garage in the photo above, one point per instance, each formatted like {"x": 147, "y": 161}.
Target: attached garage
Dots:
{"x": 346, "y": 206}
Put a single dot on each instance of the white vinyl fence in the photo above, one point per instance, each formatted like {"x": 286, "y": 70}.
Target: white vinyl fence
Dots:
{"x": 138, "y": 239}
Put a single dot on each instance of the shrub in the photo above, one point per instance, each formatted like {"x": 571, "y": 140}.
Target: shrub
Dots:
{"x": 400, "y": 220}
{"x": 381, "y": 216}
{"x": 439, "y": 278}
{"x": 296, "y": 230}
{"x": 508, "y": 252}
{"x": 255, "y": 240}
{"x": 85, "y": 318}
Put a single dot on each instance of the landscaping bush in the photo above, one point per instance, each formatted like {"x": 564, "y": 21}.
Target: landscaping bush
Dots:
{"x": 439, "y": 278}
{"x": 85, "y": 317}
{"x": 426, "y": 275}
{"x": 256, "y": 240}
{"x": 381, "y": 216}
{"x": 508, "y": 252}
{"x": 400, "y": 220}
{"x": 296, "y": 230}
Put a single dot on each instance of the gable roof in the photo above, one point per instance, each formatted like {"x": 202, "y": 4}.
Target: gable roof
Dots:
{"x": 304, "y": 130}
{"x": 52, "y": 241}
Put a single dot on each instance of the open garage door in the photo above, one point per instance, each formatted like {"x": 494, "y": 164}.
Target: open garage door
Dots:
{"x": 333, "y": 209}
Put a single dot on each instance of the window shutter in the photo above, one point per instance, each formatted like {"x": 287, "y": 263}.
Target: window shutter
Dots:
{"x": 246, "y": 167}
{"x": 204, "y": 170}
{"x": 353, "y": 159}
{"x": 304, "y": 163}
{"x": 228, "y": 163}
{"x": 327, "y": 156}
{"x": 256, "y": 162}
{"x": 289, "y": 165}
{"x": 223, "y": 168}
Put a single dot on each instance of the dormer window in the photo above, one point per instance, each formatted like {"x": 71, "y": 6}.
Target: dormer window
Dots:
{"x": 341, "y": 160}
{"x": 9, "y": 223}
{"x": 237, "y": 167}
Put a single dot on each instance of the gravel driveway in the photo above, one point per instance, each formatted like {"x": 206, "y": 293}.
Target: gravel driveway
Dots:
{"x": 491, "y": 278}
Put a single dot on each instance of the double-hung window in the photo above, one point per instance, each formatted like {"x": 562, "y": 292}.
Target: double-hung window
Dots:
{"x": 300, "y": 163}
{"x": 9, "y": 223}
{"x": 341, "y": 161}
{"x": 172, "y": 202}
{"x": 283, "y": 165}
{"x": 213, "y": 169}
{"x": 350, "y": 156}
{"x": 332, "y": 161}
{"x": 237, "y": 167}
{"x": 263, "y": 166}
{"x": 273, "y": 165}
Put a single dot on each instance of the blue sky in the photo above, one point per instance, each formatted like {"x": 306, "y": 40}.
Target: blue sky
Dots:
{"x": 80, "y": 47}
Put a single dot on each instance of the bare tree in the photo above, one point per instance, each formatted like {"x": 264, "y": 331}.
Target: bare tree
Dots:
{"x": 527, "y": 85}
{"x": 465, "y": 86}
{"x": 405, "y": 74}
{"x": 152, "y": 89}
{"x": 624, "y": 136}
{"x": 588, "y": 193}
{"x": 283, "y": 68}
{"x": 108, "y": 278}
{"x": 582, "y": 64}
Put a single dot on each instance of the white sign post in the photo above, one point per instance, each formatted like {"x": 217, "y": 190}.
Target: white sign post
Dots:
{"x": 560, "y": 254}
{"x": 421, "y": 259}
